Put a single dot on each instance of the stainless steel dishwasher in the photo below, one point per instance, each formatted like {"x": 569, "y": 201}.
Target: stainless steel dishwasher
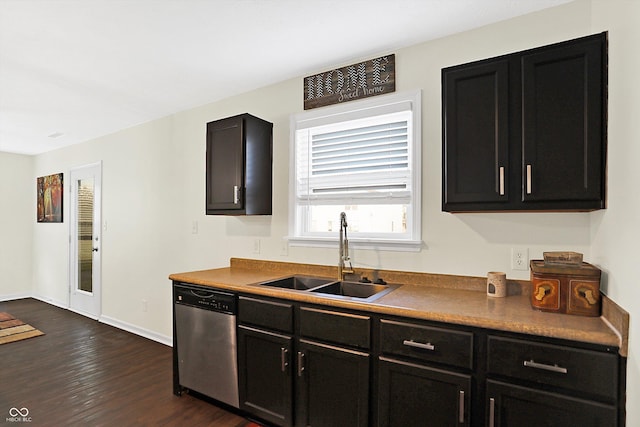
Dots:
{"x": 206, "y": 342}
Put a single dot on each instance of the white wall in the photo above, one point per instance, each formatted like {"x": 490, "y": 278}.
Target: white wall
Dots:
{"x": 17, "y": 214}
{"x": 153, "y": 189}
{"x": 142, "y": 198}
{"x": 153, "y": 186}
{"x": 615, "y": 231}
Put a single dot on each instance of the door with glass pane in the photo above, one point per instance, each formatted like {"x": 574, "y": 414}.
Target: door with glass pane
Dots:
{"x": 85, "y": 240}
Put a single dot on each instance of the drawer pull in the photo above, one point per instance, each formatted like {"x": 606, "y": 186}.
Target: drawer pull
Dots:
{"x": 492, "y": 412}
{"x": 588, "y": 295}
{"x": 236, "y": 194}
{"x": 283, "y": 359}
{"x": 542, "y": 292}
{"x": 461, "y": 407}
{"x": 545, "y": 367}
{"x": 427, "y": 346}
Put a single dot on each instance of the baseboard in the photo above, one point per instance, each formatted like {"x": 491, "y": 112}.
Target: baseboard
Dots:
{"x": 154, "y": 336}
{"x": 61, "y": 304}
{"x": 11, "y": 297}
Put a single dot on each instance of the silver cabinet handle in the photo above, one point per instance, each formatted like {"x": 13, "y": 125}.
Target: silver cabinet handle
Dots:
{"x": 283, "y": 359}
{"x": 427, "y": 346}
{"x": 492, "y": 412}
{"x": 300, "y": 363}
{"x": 236, "y": 194}
{"x": 502, "y": 180}
{"x": 461, "y": 407}
{"x": 528, "y": 179}
{"x": 545, "y": 367}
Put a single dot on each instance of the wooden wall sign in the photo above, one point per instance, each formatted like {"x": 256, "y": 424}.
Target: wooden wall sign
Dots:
{"x": 370, "y": 78}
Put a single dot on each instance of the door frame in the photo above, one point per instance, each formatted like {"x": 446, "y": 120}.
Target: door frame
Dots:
{"x": 88, "y": 304}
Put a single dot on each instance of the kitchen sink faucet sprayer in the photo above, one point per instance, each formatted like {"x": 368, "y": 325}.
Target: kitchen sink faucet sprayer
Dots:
{"x": 344, "y": 249}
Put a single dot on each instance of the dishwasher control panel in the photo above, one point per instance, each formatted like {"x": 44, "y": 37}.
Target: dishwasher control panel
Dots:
{"x": 205, "y": 299}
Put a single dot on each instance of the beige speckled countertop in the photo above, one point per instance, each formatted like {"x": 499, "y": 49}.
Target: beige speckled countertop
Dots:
{"x": 451, "y": 299}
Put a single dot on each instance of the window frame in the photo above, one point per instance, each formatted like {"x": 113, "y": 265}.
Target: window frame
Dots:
{"x": 351, "y": 111}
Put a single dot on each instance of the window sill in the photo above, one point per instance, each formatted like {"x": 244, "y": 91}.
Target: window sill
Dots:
{"x": 372, "y": 244}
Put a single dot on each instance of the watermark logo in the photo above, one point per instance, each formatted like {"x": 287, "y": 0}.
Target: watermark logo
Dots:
{"x": 18, "y": 415}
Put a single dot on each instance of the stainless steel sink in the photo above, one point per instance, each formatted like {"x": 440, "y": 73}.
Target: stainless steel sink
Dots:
{"x": 331, "y": 288}
{"x": 364, "y": 291}
{"x": 297, "y": 282}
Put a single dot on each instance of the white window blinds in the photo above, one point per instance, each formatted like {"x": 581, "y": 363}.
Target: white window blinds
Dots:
{"x": 362, "y": 159}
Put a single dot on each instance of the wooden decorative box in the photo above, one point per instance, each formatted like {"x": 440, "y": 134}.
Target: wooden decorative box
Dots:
{"x": 565, "y": 289}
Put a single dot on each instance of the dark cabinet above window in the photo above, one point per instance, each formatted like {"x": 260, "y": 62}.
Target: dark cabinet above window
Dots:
{"x": 527, "y": 131}
{"x": 239, "y": 166}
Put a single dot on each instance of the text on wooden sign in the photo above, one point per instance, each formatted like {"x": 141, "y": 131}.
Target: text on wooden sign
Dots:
{"x": 369, "y": 78}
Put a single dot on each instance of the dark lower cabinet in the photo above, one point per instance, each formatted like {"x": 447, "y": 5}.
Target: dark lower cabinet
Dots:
{"x": 509, "y": 405}
{"x": 411, "y": 394}
{"x": 532, "y": 383}
{"x": 310, "y": 366}
{"x": 332, "y": 386}
{"x": 265, "y": 375}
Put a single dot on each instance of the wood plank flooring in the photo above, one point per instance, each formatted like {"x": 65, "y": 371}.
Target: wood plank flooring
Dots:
{"x": 86, "y": 373}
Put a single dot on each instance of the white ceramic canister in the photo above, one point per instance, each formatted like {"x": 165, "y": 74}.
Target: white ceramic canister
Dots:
{"x": 496, "y": 284}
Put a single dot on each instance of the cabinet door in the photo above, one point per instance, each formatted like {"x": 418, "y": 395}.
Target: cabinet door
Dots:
{"x": 475, "y": 134}
{"x": 225, "y": 164}
{"x": 333, "y": 386}
{"x": 264, "y": 372}
{"x": 515, "y": 406}
{"x": 563, "y": 142}
{"x": 411, "y": 394}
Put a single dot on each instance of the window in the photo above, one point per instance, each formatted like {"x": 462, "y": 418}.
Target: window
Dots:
{"x": 362, "y": 158}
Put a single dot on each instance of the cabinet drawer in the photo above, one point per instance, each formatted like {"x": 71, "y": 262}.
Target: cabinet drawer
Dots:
{"x": 336, "y": 327}
{"x": 267, "y": 314}
{"x": 591, "y": 372}
{"x": 427, "y": 343}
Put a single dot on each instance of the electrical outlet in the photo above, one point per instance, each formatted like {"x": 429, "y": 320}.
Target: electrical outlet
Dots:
{"x": 145, "y": 305}
{"x": 256, "y": 246}
{"x": 284, "y": 249}
{"x": 194, "y": 227}
{"x": 520, "y": 259}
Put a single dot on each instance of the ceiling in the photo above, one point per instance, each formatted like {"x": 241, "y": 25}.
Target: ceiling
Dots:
{"x": 75, "y": 70}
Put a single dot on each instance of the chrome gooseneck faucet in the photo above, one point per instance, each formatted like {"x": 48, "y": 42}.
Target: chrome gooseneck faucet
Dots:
{"x": 344, "y": 249}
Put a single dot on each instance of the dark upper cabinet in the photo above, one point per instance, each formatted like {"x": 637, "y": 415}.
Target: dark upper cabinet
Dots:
{"x": 476, "y": 156}
{"x": 527, "y": 131}
{"x": 562, "y": 123}
{"x": 239, "y": 166}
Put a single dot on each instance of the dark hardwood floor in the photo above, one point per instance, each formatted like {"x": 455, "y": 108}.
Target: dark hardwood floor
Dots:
{"x": 86, "y": 373}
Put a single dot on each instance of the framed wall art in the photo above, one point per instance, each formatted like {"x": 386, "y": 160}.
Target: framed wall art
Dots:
{"x": 50, "y": 198}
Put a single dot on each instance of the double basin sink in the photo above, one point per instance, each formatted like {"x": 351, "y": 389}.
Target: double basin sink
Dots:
{"x": 366, "y": 292}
